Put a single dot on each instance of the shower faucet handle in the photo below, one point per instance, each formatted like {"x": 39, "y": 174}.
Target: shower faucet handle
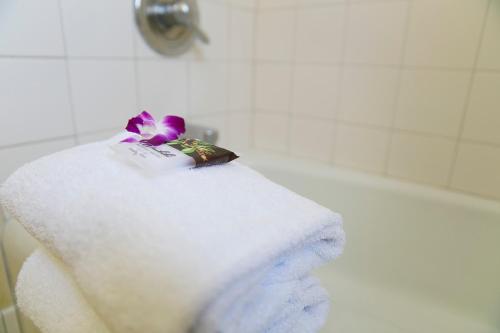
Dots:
{"x": 181, "y": 13}
{"x": 169, "y": 26}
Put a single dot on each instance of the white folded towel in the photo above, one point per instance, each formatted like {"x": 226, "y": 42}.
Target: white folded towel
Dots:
{"x": 217, "y": 249}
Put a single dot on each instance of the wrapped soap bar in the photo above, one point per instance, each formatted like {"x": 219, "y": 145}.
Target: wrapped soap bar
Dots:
{"x": 179, "y": 153}
{"x": 203, "y": 153}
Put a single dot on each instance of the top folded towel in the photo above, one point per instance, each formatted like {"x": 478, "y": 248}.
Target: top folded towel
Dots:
{"x": 187, "y": 250}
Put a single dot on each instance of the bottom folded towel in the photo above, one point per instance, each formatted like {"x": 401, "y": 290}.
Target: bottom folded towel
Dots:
{"x": 269, "y": 300}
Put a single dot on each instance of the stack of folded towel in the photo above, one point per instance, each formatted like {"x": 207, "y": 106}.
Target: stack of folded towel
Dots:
{"x": 216, "y": 249}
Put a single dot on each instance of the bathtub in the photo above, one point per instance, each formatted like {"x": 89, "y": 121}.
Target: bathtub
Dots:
{"x": 417, "y": 260}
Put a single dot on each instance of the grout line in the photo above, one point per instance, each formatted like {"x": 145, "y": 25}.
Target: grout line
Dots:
{"x": 398, "y": 86}
{"x": 137, "y": 80}
{"x": 350, "y": 64}
{"x": 357, "y": 64}
{"x": 39, "y": 141}
{"x": 68, "y": 74}
{"x": 253, "y": 94}
{"x": 291, "y": 86}
{"x": 338, "y": 114}
{"x": 188, "y": 70}
{"x": 466, "y": 106}
{"x": 229, "y": 71}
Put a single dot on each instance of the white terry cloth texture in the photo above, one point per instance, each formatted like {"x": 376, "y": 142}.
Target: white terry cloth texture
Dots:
{"x": 215, "y": 249}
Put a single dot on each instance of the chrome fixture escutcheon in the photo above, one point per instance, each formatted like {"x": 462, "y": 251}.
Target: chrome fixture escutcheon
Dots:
{"x": 169, "y": 26}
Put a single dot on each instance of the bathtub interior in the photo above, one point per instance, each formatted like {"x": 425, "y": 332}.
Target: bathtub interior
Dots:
{"x": 416, "y": 260}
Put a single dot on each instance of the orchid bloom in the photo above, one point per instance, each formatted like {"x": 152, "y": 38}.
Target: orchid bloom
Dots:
{"x": 147, "y": 130}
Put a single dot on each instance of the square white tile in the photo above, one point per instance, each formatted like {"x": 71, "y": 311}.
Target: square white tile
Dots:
{"x": 241, "y": 33}
{"x": 315, "y": 90}
{"x": 482, "y": 121}
{"x": 489, "y": 56}
{"x": 15, "y": 157}
{"x": 273, "y": 86}
{"x": 207, "y": 87}
{"x": 249, "y": 4}
{"x": 445, "y": 32}
{"x": 104, "y": 93}
{"x": 84, "y": 138}
{"x": 275, "y": 34}
{"x": 30, "y": 28}
{"x": 239, "y": 129}
{"x": 432, "y": 101}
{"x": 240, "y": 86}
{"x": 311, "y": 138}
{"x": 369, "y": 95}
{"x": 375, "y": 32}
{"x": 361, "y": 148}
{"x": 266, "y": 4}
{"x": 34, "y": 103}
{"x": 306, "y": 3}
{"x": 163, "y": 86}
{"x": 421, "y": 158}
{"x": 476, "y": 170}
{"x": 98, "y": 28}
{"x": 214, "y": 21}
{"x": 320, "y": 33}
{"x": 271, "y": 132}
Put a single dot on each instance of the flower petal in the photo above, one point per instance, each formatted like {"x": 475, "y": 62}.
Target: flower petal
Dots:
{"x": 147, "y": 118}
{"x": 157, "y": 140}
{"x": 134, "y": 123}
{"x": 174, "y": 124}
{"x": 130, "y": 140}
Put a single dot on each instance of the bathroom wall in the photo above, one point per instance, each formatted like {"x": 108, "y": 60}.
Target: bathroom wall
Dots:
{"x": 74, "y": 71}
{"x": 403, "y": 88}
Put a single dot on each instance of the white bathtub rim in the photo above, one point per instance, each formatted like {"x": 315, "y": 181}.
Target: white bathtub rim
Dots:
{"x": 256, "y": 159}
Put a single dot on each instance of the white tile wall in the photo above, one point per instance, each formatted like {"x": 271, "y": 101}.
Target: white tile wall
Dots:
{"x": 483, "y": 115}
{"x": 368, "y": 95}
{"x": 20, "y": 19}
{"x": 421, "y": 158}
{"x": 163, "y": 86}
{"x": 273, "y": 86}
{"x": 361, "y": 148}
{"x": 207, "y": 86}
{"x": 375, "y": 32}
{"x": 408, "y": 88}
{"x": 104, "y": 93}
{"x": 271, "y": 131}
{"x": 477, "y": 170}
{"x": 404, "y": 88}
{"x": 490, "y": 48}
{"x": 311, "y": 138}
{"x": 98, "y": 28}
{"x": 432, "y": 101}
{"x": 87, "y": 70}
{"x": 241, "y": 34}
{"x": 275, "y": 34}
{"x": 319, "y": 34}
{"x": 445, "y": 33}
{"x": 34, "y": 101}
{"x": 315, "y": 90}
{"x": 240, "y": 84}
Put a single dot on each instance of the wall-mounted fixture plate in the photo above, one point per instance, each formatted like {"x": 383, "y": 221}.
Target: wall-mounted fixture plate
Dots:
{"x": 169, "y": 26}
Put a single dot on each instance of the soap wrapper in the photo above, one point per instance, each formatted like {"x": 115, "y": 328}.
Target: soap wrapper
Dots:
{"x": 180, "y": 153}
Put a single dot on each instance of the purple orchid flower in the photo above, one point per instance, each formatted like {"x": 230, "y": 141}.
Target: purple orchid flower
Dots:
{"x": 147, "y": 130}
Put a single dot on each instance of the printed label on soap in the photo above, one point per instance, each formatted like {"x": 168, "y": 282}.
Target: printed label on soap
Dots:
{"x": 153, "y": 158}
{"x": 180, "y": 153}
